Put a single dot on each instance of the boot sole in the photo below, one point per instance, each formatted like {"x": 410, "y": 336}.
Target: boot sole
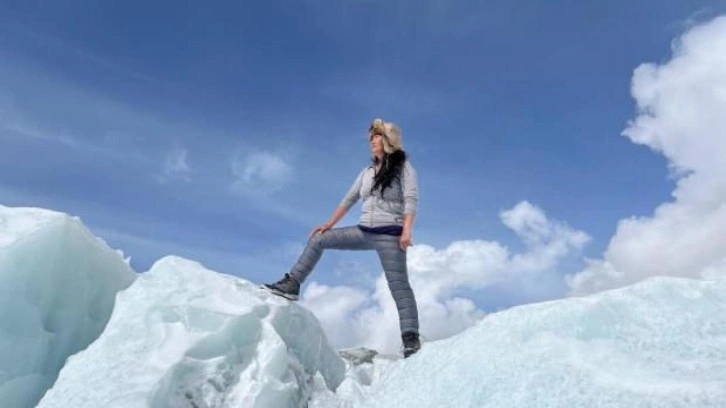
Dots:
{"x": 288, "y": 296}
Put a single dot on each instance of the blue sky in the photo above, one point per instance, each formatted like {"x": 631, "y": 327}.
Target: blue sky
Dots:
{"x": 225, "y": 132}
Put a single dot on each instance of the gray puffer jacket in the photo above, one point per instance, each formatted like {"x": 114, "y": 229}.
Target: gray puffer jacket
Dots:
{"x": 400, "y": 198}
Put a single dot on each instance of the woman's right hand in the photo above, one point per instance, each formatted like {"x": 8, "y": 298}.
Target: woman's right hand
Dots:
{"x": 320, "y": 229}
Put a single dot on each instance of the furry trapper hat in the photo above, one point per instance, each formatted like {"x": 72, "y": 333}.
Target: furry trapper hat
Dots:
{"x": 391, "y": 134}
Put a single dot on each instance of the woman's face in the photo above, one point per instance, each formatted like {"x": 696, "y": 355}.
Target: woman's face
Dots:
{"x": 376, "y": 141}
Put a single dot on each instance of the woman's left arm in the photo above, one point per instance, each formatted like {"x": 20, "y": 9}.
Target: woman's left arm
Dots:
{"x": 409, "y": 184}
{"x": 405, "y": 240}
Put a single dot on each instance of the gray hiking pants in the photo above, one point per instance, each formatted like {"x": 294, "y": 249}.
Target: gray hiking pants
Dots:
{"x": 393, "y": 260}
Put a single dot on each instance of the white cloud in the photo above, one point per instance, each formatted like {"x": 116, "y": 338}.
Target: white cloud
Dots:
{"x": 334, "y": 306}
{"x": 175, "y": 166}
{"x": 354, "y": 316}
{"x": 681, "y": 107}
{"x": 27, "y": 132}
{"x": 130, "y": 241}
{"x": 37, "y": 105}
{"x": 260, "y": 173}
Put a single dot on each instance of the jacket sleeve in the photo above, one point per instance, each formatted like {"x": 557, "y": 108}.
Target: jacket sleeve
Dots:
{"x": 353, "y": 195}
{"x": 409, "y": 184}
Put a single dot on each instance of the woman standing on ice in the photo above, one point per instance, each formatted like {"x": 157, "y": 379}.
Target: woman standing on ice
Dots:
{"x": 389, "y": 190}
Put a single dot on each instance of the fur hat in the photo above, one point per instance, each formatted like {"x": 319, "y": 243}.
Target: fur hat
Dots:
{"x": 391, "y": 134}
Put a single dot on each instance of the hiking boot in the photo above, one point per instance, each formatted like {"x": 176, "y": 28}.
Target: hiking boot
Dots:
{"x": 286, "y": 287}
{"x": 411, "y": 343}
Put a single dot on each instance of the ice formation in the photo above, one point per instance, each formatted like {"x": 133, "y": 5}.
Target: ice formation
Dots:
{"x": 57, "y": 288}
{"x": 185, "y": 336}
{"x": 181, "y": 335}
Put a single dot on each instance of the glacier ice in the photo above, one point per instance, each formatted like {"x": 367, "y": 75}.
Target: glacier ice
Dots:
{"x": 659, "y": 343}
{"x": 185, "y": 336}
{"x": 57, "y": 288}
{"x": 181, "y": 335}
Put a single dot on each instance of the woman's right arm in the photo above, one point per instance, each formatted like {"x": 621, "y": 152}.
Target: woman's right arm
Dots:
{"x": 350, "y": 198}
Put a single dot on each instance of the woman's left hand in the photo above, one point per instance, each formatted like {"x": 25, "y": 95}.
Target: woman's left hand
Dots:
{"x": 405, "y": 241}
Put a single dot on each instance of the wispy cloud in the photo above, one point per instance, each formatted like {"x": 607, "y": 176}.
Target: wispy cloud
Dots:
{"x": 59, "y": 120}
{"x": 361, "y": 316}
{"x": 224, "y": 261}
{"x": 681, "y": 106}
{"x": 71, "y": 50}
{"x": 40, "y": 107}
{"x": 26, "y": 131}
{"x": 260, "y": 173}
{"x": 175, "y": 167}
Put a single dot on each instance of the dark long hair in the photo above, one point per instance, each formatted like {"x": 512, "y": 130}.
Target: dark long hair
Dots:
{"x": 391, "y": 167}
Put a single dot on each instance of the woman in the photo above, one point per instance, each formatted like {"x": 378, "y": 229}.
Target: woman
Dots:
{"x": 389, "y": 190}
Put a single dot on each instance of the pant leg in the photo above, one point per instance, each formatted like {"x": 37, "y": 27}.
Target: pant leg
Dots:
{"x": 393, "y": 260}
{"x": 351, "y": 238}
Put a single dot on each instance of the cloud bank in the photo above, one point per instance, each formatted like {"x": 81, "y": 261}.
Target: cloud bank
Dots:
{"x": 681, "y": 114}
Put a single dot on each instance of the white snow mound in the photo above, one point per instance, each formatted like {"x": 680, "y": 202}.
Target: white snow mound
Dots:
{"x": 185, "y": 336}
{"x": 659, "y": 343}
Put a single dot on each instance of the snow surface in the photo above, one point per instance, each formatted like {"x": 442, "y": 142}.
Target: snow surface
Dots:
{"x": 57, "y": 289}
{"x": 185, "y": 336}
{"x": 660, "y": 343}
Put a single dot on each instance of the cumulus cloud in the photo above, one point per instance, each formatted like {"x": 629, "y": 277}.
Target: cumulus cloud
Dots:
{"x": 260, "y": 173}
{"x": 355, "y": 316}
{"x": 175, "y": 167}
{"x": 681, "y": 106}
